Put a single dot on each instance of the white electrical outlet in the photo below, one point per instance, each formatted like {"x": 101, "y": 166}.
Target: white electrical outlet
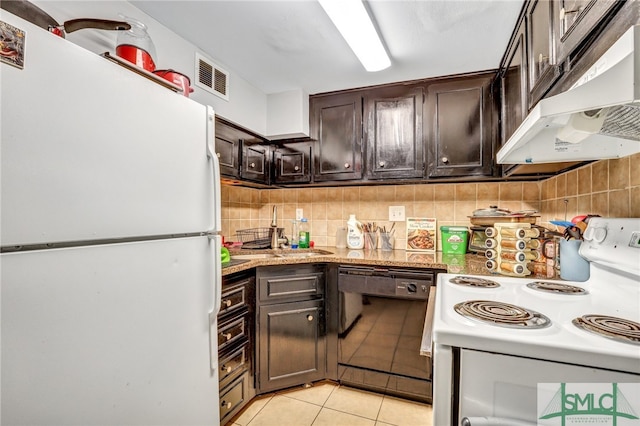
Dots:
{"x": 396, "y": 213}
{"x": 299, "y": 214}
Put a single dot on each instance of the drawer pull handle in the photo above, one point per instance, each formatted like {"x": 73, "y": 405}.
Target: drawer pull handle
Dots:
{"x": 309, "y": 317}
{"x": 347, "y": 165}
{"x": 252, "y": 165}
{"x": 296, "y": 168}
{"x": 227, "y": 303}
{"x": 445, "y": 160}
{"x": 381, "y": 163}
{"x": 227, "y": 336}
{"x": 226, "y": 404}
{"x": 225, "y": 369}
{"x": 218, "y": 154}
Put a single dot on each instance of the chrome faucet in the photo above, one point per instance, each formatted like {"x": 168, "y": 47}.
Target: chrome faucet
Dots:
{"x": 277, "y": 241}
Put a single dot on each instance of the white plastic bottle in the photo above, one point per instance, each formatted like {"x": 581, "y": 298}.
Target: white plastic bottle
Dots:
{"x": 355, "y": 237}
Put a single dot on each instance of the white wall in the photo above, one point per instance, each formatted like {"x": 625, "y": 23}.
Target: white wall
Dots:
{"x": 247, "y": 106}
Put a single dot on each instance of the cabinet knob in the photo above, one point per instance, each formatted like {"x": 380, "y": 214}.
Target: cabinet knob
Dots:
{"x": 296, "y": 168}
{"x": 381, "y": 164}
{"x": 445, "y": 160}
{"x": 252, "y": 165}
{"x": 227, "y": 336}
{"x": 227, "y": 303}
{"x": 309, "y": 318}
{"x": 225, "y": 404}
{"x": 225, "y": 369}
{"x": 347, "y": 165}
{"x": 218, "y": 154}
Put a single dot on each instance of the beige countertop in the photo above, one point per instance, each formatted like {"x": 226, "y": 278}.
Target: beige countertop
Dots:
{"x": 462, "y": 263}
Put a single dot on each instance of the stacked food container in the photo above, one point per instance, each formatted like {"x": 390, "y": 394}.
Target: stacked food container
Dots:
{"x": 511, "y": 247}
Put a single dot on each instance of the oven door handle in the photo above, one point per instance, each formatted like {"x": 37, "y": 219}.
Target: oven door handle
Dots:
{"x": 493, "y": 421}
{"x": 426, "y": 346}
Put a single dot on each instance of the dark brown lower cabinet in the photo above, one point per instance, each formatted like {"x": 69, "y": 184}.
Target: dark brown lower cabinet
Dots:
{"x": 235, "y": 344}
{"x": 291, "y": 337}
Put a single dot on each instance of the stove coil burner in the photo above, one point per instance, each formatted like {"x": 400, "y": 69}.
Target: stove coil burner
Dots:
{"x": 502, "y": 314}
{"x": 620, "y": 329}
{"x": 557, "y": 288}
{"x": 474, "y": 282}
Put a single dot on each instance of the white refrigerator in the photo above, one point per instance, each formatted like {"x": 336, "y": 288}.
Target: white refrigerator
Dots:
{"x": 110, "y": 263}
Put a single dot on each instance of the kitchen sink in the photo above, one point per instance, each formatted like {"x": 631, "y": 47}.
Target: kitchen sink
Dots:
{"x": 254, "y": 256}
{"x": 280, "y": 255}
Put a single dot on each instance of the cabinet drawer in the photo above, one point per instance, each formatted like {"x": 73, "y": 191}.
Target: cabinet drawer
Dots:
{"x": 233, "y": 397}
{"x": 233, "y": 331}
{"x": 291, "y": 287}
{"x": 233, "y": 298}
{"x": 233, "y": 364}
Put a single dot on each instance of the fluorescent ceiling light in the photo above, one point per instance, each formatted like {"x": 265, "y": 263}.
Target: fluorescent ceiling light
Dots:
{"x": 353, "y": 22}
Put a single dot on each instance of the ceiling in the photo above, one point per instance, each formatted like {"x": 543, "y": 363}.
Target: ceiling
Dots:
{"x": 285, "y": 45}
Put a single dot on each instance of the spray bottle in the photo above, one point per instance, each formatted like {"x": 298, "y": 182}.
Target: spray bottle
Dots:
{"x": 355, "y": 237}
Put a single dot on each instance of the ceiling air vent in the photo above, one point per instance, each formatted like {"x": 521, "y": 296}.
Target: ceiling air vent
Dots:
{"x": 211, "y": 77}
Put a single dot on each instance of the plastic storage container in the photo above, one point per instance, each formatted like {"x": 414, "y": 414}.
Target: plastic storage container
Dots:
{"x": 355, "y": 237}
{"x": 303, "y": 232}
{"x": 454, "y": 239}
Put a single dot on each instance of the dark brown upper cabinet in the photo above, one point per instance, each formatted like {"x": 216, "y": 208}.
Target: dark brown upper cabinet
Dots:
{"x": 541, "y": 48}
{"x": 393, "y": 132}
{"x": 256, "y": 162}
{"x": 574, "y": 22}
{"x": 460, "y": 118}
{"x": 336, "y": 124}
{"x": 227, "y": 145}
{"x": 514, "y": 84}
{"x": 292, "y": 162}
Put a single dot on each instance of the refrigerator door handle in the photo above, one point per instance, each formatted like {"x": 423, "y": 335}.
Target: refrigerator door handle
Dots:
{"x": 215, "y": 168}
{"x": 216, "y": 286}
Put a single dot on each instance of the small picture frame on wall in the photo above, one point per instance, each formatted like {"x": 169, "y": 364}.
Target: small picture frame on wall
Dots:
{"x": 11, "y": 45}
{"x": 421, "y": 234}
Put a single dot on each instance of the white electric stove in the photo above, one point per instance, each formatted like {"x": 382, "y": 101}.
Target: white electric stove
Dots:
{"x": 491, "y": 373}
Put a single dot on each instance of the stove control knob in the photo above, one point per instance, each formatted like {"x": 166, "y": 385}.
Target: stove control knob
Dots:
{"x": 599, "y": 234}
{"x": 588, "y": 234}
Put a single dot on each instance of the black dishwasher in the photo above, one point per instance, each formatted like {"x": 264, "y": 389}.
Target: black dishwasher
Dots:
{"x": 380, "y": 325}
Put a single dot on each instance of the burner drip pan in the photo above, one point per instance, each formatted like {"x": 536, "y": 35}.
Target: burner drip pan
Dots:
{"x": 620, "y": 329}
{"x": 557, "y": 288}
{"x": 502, "y": 314}
{"x": 474, "y": 282}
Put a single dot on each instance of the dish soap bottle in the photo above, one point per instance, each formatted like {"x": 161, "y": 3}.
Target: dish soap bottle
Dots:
{"x": 303, "y": 241}
{"x": 355, "y": 237}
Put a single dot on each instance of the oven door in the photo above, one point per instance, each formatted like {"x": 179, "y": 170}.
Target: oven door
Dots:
{"x": 498, "y": 390}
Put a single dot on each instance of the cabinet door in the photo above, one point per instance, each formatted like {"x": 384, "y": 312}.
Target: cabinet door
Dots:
{"x": 228, "y": 150}
{"x": 460, "y": 120}
{"x": 292, "y": 162}
{"x": 292, "y": 344}
{"x": 575, "y": 20}
{"x": 336, "y": 123}
{"x": 255, "y": 162}
{"x": 514, "y": 88}
{"x": 542, "y": 69}
{"x": 393, "y": 136}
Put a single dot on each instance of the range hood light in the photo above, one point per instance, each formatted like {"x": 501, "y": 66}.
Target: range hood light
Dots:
{"x": 581, "y": 125}
{"x": 354, "y": 23}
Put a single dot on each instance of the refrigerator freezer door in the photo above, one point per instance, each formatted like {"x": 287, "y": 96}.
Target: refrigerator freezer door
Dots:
{"x": 93, "y": 151}
{"x": 111, "y": 334}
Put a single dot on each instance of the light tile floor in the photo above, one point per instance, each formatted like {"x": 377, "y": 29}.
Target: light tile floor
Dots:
{"x": 327, "y": 403}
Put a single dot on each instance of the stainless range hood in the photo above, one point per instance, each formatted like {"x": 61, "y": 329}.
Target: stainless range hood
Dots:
{"x": 598, "y": 118}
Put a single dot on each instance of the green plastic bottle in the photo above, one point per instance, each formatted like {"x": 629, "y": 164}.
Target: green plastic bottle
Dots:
{"x": 303, "y": 232}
